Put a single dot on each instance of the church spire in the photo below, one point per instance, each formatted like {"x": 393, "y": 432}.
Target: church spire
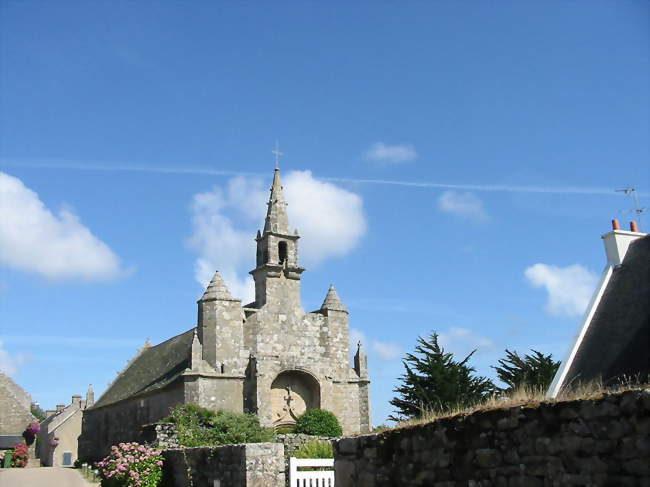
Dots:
{"x": 276, "y": 215}
{"x": 332, "y": 301}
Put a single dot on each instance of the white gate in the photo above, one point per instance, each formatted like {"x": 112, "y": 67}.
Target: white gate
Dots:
{"x": 311, "y": 478}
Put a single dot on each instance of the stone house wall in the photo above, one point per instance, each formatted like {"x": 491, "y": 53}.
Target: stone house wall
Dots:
{"x": 592, "y": 442}
{"x": 250, "y": 465}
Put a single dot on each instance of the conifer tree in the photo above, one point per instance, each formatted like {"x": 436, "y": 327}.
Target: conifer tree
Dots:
{"x": 434, "y": 381}
{"x": 536, "y": 370}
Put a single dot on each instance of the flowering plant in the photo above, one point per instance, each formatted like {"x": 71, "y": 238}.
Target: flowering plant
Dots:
{"x": 20, "y": 456}
{"x": 131, "y": 465}
{"x": 33, "y": 428}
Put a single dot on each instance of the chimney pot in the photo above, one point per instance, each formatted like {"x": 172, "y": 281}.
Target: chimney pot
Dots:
{"x": 615, "y": 225}
{"x": 633, "y": 227}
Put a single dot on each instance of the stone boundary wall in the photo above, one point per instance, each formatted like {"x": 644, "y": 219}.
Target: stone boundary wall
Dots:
{"x": 160, "y": 435}
{"x": 292, "y": 442}
{"x": 592, "y": 442}
{"x": 249, "y": 465}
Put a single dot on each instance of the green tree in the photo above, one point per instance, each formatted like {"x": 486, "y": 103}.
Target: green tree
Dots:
{"x": 434, "y": 381}
{"x": 37, "y": 412}
{"x": 535, "y": 370}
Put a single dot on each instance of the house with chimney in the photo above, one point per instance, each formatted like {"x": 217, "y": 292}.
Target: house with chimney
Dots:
{"x": 58, "y": 439}
{"x": 613, "y": 340}
{"x": 268, "y": 357}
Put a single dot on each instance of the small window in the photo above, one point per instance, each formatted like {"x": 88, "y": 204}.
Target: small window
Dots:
{"x": 282, "y": 252}
{"x": 67, "y": 458}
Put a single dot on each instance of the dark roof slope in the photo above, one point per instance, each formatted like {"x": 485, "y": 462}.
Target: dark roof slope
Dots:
{"x": 617, "y": 342}
{"x": 153, "y": 369}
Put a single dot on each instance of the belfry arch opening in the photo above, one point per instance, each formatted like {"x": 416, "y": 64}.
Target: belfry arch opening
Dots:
{"x": 292, "y": 393}
{"x": 282, "y": 252}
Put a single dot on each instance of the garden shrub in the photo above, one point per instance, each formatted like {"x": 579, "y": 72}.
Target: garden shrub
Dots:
{"x": 198, "y": 426}
{"x": 131, "y": 465}
{"x": 319, "y": 422}
{"x": 20, "y": 456}
{"x": 315, "y": 449}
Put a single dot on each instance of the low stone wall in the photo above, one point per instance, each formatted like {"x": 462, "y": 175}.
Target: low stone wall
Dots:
{"x": 292, "y": 442}
{"x": 160, "y": 435}
{"x": 249, "y": 465}
{"x": 593, "y": 442}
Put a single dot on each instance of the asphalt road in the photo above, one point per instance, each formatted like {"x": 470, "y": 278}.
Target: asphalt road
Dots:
{"x": 42, "y": 477}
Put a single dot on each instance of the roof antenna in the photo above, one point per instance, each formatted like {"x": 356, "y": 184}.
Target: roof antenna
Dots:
{"x": 276, "y": 152}
{"x": 631, "y": 191}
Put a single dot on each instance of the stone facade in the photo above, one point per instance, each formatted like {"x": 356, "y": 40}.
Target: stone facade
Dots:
{"x": 268, "y": 357}
{"x": 250, "y": 465}
{"x": 15, "y": 408}
{"x": 594, "y": 442}
{"x": 64, "y": 425}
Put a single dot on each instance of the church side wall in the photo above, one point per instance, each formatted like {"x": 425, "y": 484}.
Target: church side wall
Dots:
{"x": 121, "y": 422}
{"x": 215, "y": 392}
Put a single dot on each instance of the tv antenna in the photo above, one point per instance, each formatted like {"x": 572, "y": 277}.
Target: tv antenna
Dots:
{"x": 630, "y": 191}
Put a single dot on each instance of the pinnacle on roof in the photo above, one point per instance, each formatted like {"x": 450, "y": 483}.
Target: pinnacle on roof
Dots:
{"x": 217, "y": 289}
{"x": 332, "y": 300}
{"x": 276, "y": 215}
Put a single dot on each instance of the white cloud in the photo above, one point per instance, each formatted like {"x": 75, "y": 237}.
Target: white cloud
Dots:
{"x": 384, "y": 350}
{"x": 461, "y": 342}
{"x": 330, "y": 221}
{"x": 9, "y": 364}
{"x": 466, "y": 205}
{"x": 569, "y": 288}
{"x": 59, "y": 246}
{"x": 387, "y": 350}
{"x": 390, "y": 154}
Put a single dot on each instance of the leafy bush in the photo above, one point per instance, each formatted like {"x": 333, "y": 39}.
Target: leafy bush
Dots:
{"x": 315, "y": 449}
{"x": 20, "y": 456}
{"x": 318, "y": 422}
{"x": 131, "y": 465}
{"x": 198, "y": 426}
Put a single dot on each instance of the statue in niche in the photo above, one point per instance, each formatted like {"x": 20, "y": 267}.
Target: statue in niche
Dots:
{"x": 291, "y": 395}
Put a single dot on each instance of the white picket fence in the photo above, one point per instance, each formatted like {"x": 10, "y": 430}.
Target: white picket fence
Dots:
{"x": 318, "y": 478}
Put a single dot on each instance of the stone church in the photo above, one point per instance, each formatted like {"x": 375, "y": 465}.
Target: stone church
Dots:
{"x": 268, "y": 357}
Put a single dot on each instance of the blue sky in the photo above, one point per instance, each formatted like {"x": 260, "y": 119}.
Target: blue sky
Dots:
{"x": 467, "y": 151}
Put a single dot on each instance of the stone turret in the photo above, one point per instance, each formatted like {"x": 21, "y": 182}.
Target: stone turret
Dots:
{"x": 90, "y": 396}
{"x": 332, "y": 301}
{"x": 361, "y": 362}
{"x": 277, "y": 274}
{"x": 219, "y": 325}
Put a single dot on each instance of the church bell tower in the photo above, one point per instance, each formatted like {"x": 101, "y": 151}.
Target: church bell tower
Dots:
{"x": 277, "y": 275}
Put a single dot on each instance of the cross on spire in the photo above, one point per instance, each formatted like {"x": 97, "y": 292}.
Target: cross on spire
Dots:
{"x": 276, "y": 152}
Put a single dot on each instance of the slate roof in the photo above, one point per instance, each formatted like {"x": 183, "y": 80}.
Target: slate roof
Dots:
{"x": 617, "y": 342}
{"x": 152, "y": 369}
{"x": 9, "y": 441}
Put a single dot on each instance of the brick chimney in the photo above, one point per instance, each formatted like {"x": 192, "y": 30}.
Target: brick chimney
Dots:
{"x": 617, "y": 242}
{"x": 76, "y": 400}
{"x": 60, "y": 407}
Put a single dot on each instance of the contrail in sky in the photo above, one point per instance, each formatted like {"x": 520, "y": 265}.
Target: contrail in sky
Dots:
{"x": 414, "y": 184}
